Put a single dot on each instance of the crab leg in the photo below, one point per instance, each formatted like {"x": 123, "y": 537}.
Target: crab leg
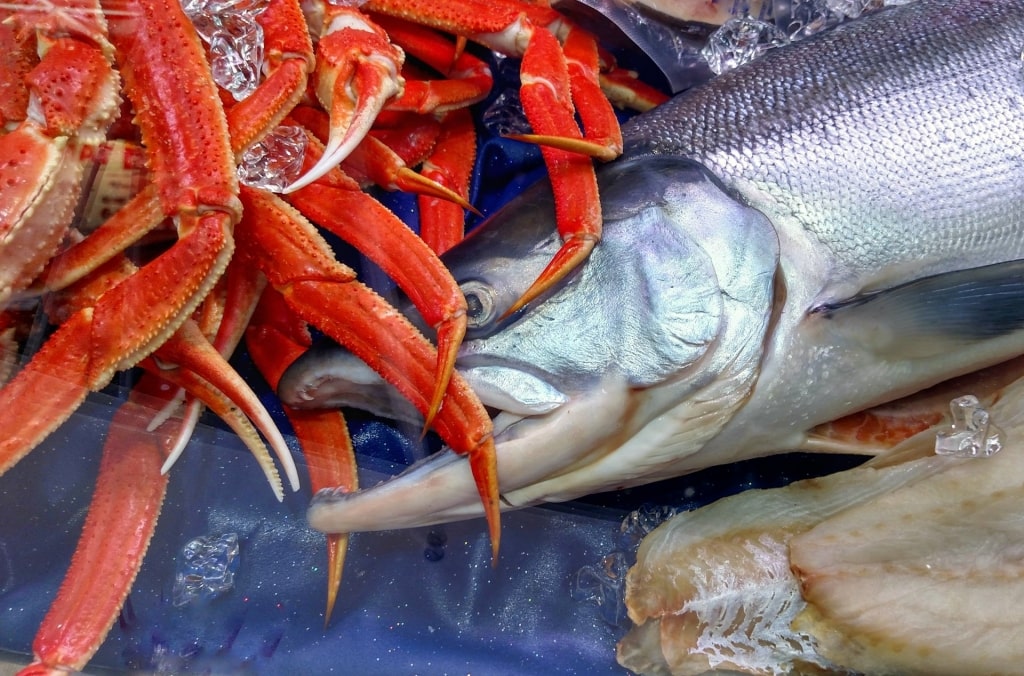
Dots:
{"x": 289, "y": 58}
{"x": 195, "y": 181}
{"x": 442, "y": 223}
{"x": 467, "y": 78}
{"x": 548, "y": 105}
{"x": 222, "y": 318}
{"x": 332, "y": 203}
{"x": 204, "y": 373}
{"x": 139, "y": 216}
{"x": 300, "y": 266}
{"x": 275, "y": 338}
{"x": 124, "y": 509}
{"x": 384, "y": 167}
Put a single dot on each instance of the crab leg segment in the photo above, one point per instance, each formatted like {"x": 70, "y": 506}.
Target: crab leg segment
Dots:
{"x": 178, "y": 111}
{"x": 275, "y": 338}
{"x": 357, "y": 73}
{"x": 442, "y": 223}
{"x": 300, "y": 266}
{"x": 467, "y": 78}
{"x": 333, "y": 204}
{"x": 17, "y": 57}
{"x": 548, "y": 106}
{"x": 289, "y": 60}
{"x": 124, "y": 510}
{"x": 179, "y": 115}
{"x": 139, "y": 216}
{"x": 204, "y": 373}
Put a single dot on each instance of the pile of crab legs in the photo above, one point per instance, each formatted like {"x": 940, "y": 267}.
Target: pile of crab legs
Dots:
{"x": 247, "y": 262}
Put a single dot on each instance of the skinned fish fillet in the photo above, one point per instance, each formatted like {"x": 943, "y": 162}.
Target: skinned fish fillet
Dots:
{"x": 914, "y": 567}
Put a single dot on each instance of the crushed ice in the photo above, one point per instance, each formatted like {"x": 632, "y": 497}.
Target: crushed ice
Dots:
{"x": 276, "y": 161}
{"x": 505, "y": 116}
{"x": 206, "y": 568}
{"x": 235, "y": 40}
{"x": 743, "y": 39}
{"x": 971, "y": 434}
{"x": 740, "y": 41}
{"x": 604, "y": 583}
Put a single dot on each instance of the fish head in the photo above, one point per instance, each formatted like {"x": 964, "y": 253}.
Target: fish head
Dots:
{"x": 655, "y": 338}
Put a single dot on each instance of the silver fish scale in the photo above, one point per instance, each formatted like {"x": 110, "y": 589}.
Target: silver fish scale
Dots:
{"x": 795, "y": 133}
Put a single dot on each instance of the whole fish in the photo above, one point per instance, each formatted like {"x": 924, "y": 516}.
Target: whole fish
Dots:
{"x": 836, "y": 224}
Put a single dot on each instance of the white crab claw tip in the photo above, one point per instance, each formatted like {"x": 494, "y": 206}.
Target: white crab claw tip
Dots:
{"x": 338, "y": 148}
{"x": 190, "y": 418}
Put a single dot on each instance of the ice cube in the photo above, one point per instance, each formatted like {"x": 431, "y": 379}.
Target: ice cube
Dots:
{"x": 276, "y": 161}
{"x": 604, "y": 584}
{"x": 640, "y": 522}
{"x": 971, "y": 434}
{"x": 739, "y": 41}
{"x": 235, "y": 40}
{"x": 206, "y": 568}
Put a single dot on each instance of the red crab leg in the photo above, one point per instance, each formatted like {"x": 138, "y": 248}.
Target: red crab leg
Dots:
{"x": 139, "y": 216}
{"x": 333, "y": 203}
{"x": 442, "y": 223}
{"x": 161, "y": 59}
{"x": 411, "y": 135}
{"x": 548, "y": 106}
{"x": 275, "y": 338}
{"x": 384, "y": 167}
{"x": 289, "y": 59}
{"x": 467, "y": 78}
{"x": 325, "y": 293}
{"x": 202, "y": 371}
{"x": 124, "y": 509}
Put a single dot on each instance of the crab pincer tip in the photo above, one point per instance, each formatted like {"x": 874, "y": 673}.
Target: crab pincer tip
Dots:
{"x": 574, "y": 251}
{"x": 450, "y": 334}
{"x": 483, "y": 461}
{"x": 579, "y": 146}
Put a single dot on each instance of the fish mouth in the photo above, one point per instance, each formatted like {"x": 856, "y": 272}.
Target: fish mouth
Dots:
{"x": 539, "y": 432}
{"x": 530, "y": 451}
{"x": 331, "y": 377}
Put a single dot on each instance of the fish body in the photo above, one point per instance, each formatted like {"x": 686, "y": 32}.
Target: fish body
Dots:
{"x": 834, "y": 225}
{"x": 886, "y": 151}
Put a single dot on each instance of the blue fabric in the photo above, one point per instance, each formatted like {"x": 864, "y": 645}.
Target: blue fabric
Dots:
{"x": 420, "y": 601}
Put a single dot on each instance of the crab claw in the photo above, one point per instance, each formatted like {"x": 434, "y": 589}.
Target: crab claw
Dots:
{"x": 357, "y": 74}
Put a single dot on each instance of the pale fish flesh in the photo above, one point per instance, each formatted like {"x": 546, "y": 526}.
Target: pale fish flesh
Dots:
{"x": 911, "y": 567}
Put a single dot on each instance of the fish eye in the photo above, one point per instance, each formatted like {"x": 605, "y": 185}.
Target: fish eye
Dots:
{"x": 480, "y": 303}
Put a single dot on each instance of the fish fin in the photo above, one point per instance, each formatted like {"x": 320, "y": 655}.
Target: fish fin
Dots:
{"x": 933, "y": 315}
